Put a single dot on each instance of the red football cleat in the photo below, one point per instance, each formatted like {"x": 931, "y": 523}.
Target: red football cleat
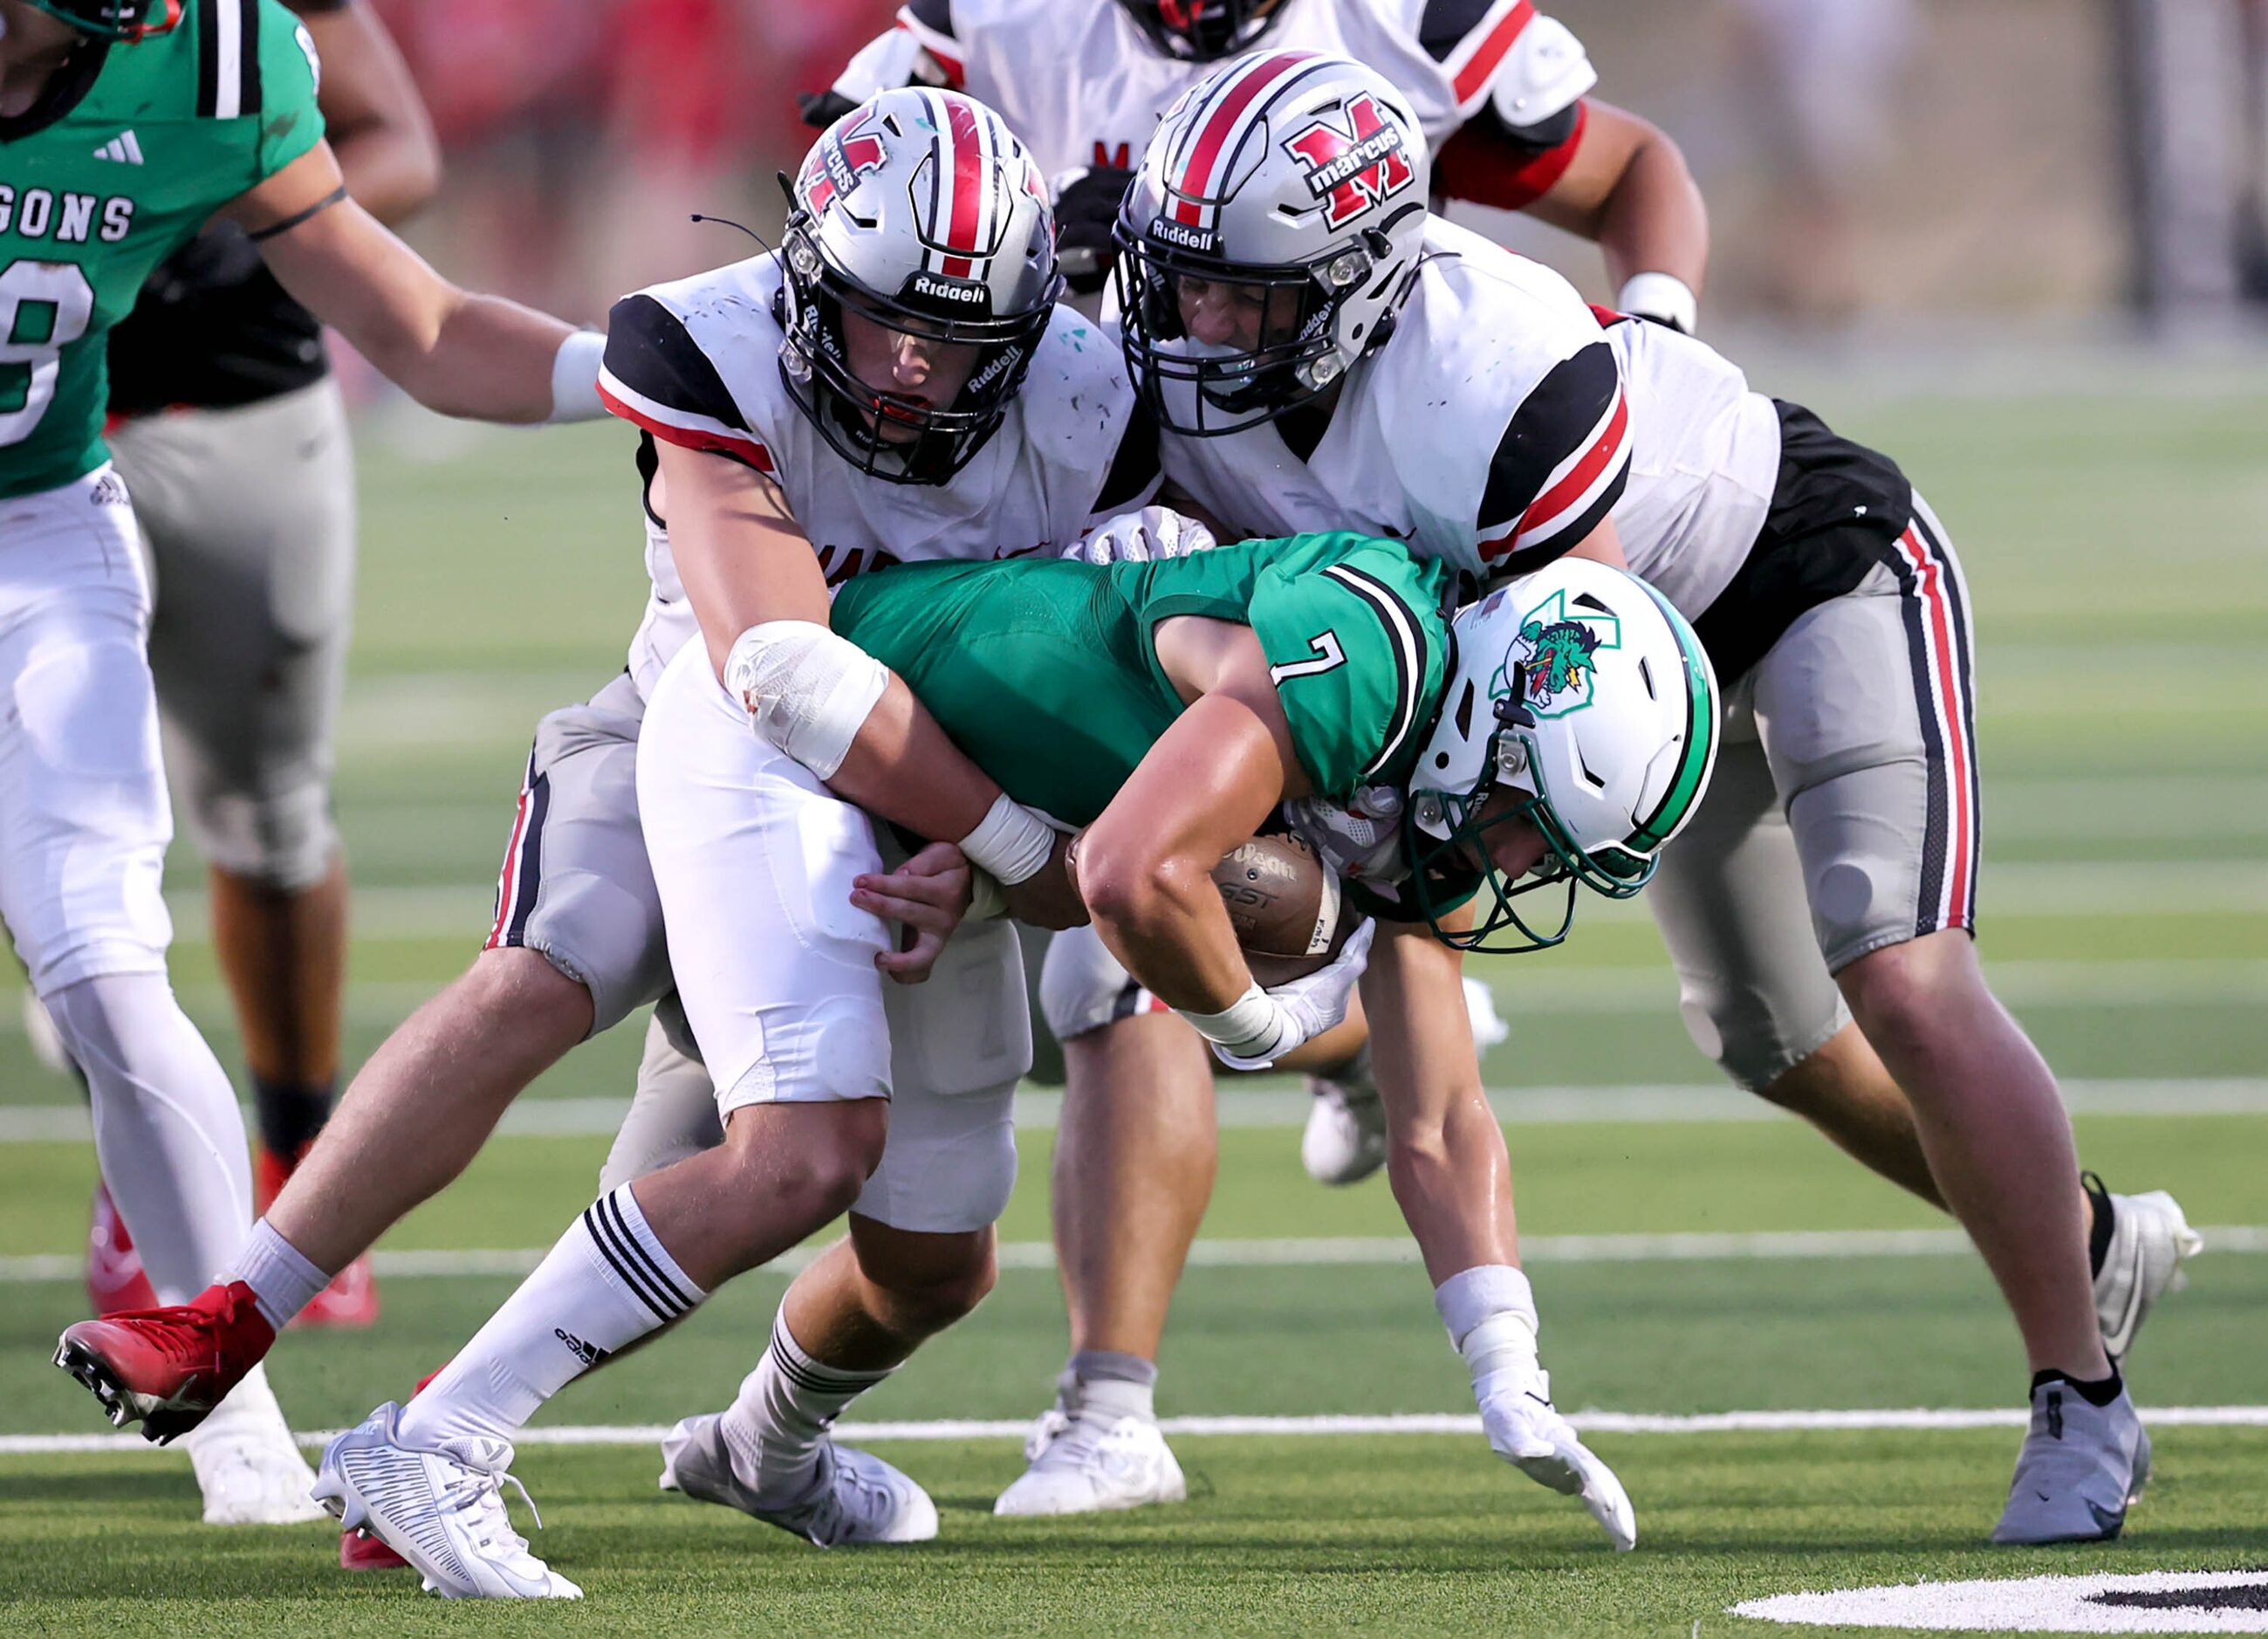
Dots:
{"x": 359, "y": 1550}
{"x": 351, "y": 1301}
{"x": 115, "y": 1282}
{"x": 168, "y": 1367}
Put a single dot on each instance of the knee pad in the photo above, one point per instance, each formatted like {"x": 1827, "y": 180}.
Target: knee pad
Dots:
{"x": 1755, "y": 1036}
{"x": 282, "y": 838}
{"x": 1082, "y": 986}
{"x": 950, "y": 1163}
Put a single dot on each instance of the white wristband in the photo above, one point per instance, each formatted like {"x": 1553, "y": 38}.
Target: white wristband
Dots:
{"x": 1662, "y": 296}
{"x": 1254, "y": 1026}
{"x": 575, "y": 377}
{"x": 1010, "y": 841}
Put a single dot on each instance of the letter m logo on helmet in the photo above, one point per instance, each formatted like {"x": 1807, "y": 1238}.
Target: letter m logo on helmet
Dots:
{"x": 837, "y": 162}
{"x": 1356, "y": 169}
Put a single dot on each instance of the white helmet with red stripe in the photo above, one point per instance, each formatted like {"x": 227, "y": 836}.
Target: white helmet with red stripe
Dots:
{"x": 919, "y": 210}
{"x": 1298, "y": 182}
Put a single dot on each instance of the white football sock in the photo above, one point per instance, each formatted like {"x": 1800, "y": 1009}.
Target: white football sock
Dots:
{"x": 605, "y": 1284}
{"x": 783, "y": 1410}
{"x": 282, "y": 1282}
{"x": 166, "y": 1126}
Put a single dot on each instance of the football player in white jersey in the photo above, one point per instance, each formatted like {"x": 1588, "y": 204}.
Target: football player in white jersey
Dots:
{"x": 1500, "y": 90}
{"x": 1349, "y": 366}
{"x": 898, "y": 383}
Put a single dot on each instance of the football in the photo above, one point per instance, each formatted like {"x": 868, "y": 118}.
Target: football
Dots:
{"x": 1286, "y": 905}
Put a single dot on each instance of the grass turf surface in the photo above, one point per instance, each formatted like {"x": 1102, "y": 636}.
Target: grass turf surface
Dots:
{"x": 2122, "y": 604}
{"x": 1401, "y": 1535}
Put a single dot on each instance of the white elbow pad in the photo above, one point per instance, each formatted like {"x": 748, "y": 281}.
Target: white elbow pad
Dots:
{"x": 1543, "y": 75}
{"x": 807, "y": 690}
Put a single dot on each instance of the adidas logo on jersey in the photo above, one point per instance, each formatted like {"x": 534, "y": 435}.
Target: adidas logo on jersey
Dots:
{"x": 122, "y": 148}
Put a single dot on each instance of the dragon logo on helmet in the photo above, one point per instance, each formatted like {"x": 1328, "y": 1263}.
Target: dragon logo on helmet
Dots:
{"x": 1553, "y": 660}
{"x": 1356, "y": 169}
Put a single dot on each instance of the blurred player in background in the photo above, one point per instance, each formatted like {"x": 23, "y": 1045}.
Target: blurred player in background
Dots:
{"x": 1818, "y": 910}
{"x": 231, "y": 433}
{"x": 123, "y": 128}
{"x": 1500, "y": 90}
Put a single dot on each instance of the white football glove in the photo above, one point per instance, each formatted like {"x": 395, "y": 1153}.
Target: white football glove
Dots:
{"x": 1362, "y": 840}
{"x": 1139, "y": 537}
{"x": 1525, "y": 1430}
{"x": 1315, "y": 1003}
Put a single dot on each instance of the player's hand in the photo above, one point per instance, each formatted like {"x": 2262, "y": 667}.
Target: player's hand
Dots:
{"x": 1050, "y": 896}
{"x": 1525, "y": 1430}
{"x": 1141, "y": 537}
{"x": 927, "y": 896}
{"x": 1320, "y": 1000}
{"x": 1361, "y": 841}
{"x": 1086, "y": 209}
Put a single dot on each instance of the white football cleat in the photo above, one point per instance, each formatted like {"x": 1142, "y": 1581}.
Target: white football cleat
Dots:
{"x": 246, "y": 1464}
{"x": 1344, "y": 1141}
{"x": 441, "y": 1509}
{"x": 2081, "y": 1467}
{"x": 855, "y": 1499}
{"x": 1085, "y": 1460}
{"x": 2149, "y": 1239}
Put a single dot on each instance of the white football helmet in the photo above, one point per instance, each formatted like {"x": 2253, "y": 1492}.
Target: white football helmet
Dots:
{"x": 1580, "y": 687}
{"x": 1300, "y": 180}
{"x": 919, "y": 210}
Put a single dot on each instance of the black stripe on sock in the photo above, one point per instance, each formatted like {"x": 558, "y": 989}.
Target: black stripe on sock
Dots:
{"x": 611, "y": 1207}
{"x": 602, "y": 1237}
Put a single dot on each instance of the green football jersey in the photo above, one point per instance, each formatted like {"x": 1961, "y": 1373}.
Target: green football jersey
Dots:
{"x": 125, "y": 157}
{"x": 1044, "y": 673}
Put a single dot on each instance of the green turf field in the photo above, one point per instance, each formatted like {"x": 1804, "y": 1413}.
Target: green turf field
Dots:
{"x": 1688, "y": 1261}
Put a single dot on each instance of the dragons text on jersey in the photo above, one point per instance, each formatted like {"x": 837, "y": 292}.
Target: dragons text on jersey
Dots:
{"x": 120, "y": 164}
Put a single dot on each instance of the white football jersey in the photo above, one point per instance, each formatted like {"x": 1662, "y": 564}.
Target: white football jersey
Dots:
{"x": 696, "y": 363}
{"x": 1491, "y": 431}
{"x": 1501, "y": 424}
{"x": 1705, "y": 457}
{"x": 1082, "y": 86}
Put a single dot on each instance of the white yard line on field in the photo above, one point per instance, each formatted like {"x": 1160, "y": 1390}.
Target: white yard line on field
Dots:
{"x": 1769, "y": 1246}
{"x": 1038, "y": 1109}
{"x": 1918, "y": 1420}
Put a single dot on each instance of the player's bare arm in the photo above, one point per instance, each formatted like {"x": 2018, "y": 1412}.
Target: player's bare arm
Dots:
{"x": 1144, "y": 868}
{"x": 1628, "y": 188}
{"x": 451, "y": 349}
{"x": 753, "y": 580}
{"x": 374, "y": 119}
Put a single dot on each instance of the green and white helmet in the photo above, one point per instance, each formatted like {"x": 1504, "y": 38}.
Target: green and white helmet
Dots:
{"x": 1581, "y": 686}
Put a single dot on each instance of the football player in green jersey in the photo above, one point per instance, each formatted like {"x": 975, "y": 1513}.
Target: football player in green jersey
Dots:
{"x": 125, "y": 125}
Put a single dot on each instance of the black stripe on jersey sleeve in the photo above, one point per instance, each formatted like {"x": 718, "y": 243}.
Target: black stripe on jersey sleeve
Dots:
{"x": 247, "y": 55}
{"x": 649, "y": 351}
{"x": 1527, "y": 559}
{"x": 1448, "y": 23}
{"x": 934, "y": 15}
{"x": 1405, "y": 641}
{"x": 1541, "y": 137}
{"x": 1551, "y": 424}
{"x": 1135, "y": 472}
{"x": 208, "y": 57}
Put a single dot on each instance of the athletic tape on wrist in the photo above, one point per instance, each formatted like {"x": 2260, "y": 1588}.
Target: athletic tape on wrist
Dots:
{"x": 807, "y": 690}
{"x": 1254, "y": 1026}
{"x": 1662, "y": 296}
{"x": 1010, "y": 841}
{"x": 575, "y": 377}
